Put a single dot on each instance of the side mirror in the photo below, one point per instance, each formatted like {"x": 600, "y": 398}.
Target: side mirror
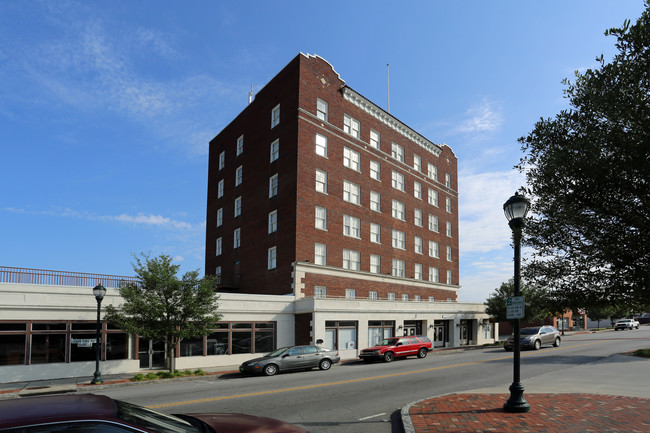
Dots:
{"x": 398, "y": 344}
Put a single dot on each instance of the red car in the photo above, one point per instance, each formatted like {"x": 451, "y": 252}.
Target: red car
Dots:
{"x": 397, "y": 347}
{"x": 98, "y": 413}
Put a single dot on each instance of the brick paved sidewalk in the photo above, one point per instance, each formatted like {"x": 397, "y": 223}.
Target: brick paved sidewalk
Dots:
{"x": 566, "y": 413}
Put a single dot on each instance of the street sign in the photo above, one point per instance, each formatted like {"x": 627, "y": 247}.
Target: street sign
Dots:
{"x": 515, "y": 307}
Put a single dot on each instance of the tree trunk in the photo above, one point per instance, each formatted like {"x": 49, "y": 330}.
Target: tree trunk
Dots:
{"x": 171, "y": 356}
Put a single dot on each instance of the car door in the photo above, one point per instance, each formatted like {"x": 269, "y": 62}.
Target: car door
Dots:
{"x": 311, "y": 356}
{"x": 291, "y": 359}
{"x": 402, "y": 347}
{"x": 414, "y": 346}
{"x": 547, "y": 336}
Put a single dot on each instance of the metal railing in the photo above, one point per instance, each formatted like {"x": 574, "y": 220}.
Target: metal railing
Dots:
{"x": 62, "y": 278}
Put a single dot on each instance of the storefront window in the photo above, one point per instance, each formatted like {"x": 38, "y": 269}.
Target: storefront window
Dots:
{"x": 378, "y": 330}
{"x": 82, "y": 347}
{"x": 192, "y": 347}
{"x": 218, "y": 343}
{"x": 242, "y": 342}
{"x": 48, "y": 348}
{"x": 117, "y": 345}
{"x": 341, "y": 335}
{"x": 12, "y": 349}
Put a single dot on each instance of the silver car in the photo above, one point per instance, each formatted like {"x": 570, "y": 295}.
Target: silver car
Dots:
{"x": 291, "y": 358}
{"x": 534, "y": 337}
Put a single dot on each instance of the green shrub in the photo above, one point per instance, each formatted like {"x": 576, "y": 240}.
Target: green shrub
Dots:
{"x": 151, "y": 376}
{"x": 137, "y": 378}
{"x": 643, "y": 352}
{"x": 199, "y": 372}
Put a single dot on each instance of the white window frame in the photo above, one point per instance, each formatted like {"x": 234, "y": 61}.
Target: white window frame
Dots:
{"x": 236, "y": 238}
{"x": 375, "y": 264}
{"x": 449, "y": 229}
{"x": 398, "y": 210}
{"x": 351, "y": 260}
{"x": 321, "y": 181}
{"x": 398, "y": 268}
{"x": 222, "y": 160}
{"x": 273, "y": 185}
{"x": 219, "y": 246}
{"x": 320, "y": 218}
{"x": 321, "y": 145}
{"x": 351, "y": 227}
{"x": 275, "y": 116}
{"x": 375, "y": 139}
{"x": 417, "y": 272}
{"x": 432, "y": 171}
{"x": 375, "y": 170}
{"x": 398, "y": 239}
{"x": 350, "y": 293}
{"x": 417, "y": 190}
{"x": 240, "y": 145}
{"x": 351, "y": 159}
{"x": 448, "y": 180}
{"x": 322, "y": 109}
{"x": 448, "y": 204}
{"x": 237, "y": 206}
{"x": 272, "y": 258}
{"x": 397, "y": 181}
{"x": 351, "y": 192}
{"x": 273, "y": 221}
{"x": 432, "y": 197}
{"x": 449, "y": 254}
{"x": 375, "y": 233}
{"x": 434, "y": 274}
{"x": 434, "y": 249}
{"x": 397, "y": 152}
{"x": 239, "y": 174}
{"x": 417, "y": 163}
{"x": 375, "y": 201}
{"x": 220, "y": 186}
{"x": 351, "y": 126}
{"x": 417, "y": 217}
{"x": 274, "y": 150}
{"x": 405, "y": 296}
{"x": 434, "y": 223}
{"x": 219, "y": 217}
{"x": 417, "y": 244}
{"x": 320, "y": 292}
{"x": 373, "y": 295}
{"x": 320, "y": 254}
{"x": 449, "y": 276}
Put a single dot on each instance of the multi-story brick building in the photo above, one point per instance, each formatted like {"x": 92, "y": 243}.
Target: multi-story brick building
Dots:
{"x": 315, "y": 191}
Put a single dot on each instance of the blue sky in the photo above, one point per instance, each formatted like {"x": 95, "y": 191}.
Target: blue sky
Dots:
{"x": 107, "y": 108}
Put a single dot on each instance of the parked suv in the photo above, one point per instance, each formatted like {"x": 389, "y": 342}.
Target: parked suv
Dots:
{"x": 626, "y": 324}
{"x": 397, "y": 347}
{"x": 534, "y": 337}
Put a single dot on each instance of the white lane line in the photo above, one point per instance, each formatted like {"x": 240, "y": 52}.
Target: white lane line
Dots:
{"x": 372, "y": 416}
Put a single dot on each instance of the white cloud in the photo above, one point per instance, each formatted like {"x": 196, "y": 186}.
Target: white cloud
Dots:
{"x": 154, "y": 220}
{"x": 485, "y": 116}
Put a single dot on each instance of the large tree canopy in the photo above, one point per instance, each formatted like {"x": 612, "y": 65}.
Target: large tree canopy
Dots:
{"x": 163, "y": 307}
{"x": 588, "y": 178}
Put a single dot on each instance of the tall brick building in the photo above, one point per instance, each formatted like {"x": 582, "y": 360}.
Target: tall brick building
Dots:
{"x": 315, "y": 191}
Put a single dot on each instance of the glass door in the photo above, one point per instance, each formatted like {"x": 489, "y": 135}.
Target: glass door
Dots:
{"x": 152, "y": 354}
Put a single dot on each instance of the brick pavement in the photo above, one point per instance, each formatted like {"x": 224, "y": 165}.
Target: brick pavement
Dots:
{"x": 549, "y": 413}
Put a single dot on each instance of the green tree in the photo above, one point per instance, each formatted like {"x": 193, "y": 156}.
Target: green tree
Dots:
{"x": 535, "y": 302}
{"x": 588, "y": 178}
{"x": 164, "y": 307}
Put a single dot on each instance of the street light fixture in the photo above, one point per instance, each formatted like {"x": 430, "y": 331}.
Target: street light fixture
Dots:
{"x": 515, "y": 210}
{"x": 99, "y": 291}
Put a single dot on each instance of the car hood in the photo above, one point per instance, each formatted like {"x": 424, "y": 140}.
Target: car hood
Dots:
{"x": 252, "y": 361}
{"x": 242, "y": 423}
{"x": 375, "y": 348}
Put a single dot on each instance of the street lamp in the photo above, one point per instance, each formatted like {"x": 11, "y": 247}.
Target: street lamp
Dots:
{"x": 99, "y": 291}
{"x": 515, "y": 209}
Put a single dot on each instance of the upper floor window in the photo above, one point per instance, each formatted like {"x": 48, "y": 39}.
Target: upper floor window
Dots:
{"x": 321, "y": 145}
{"x": 375, "y": 139}
{"x": 219, "y": 246}
{"x": 275, "y": 150}
{"x": 417, "y": 274}
{"x": 219, "y": 217}
{"x": 351, "y": 226}
{"x": 220, "y": 189}
{"x": 449, "y": 228}
{"x": 417, "y": 163}
{"x": 449, "y": 274}
{"x": 434, "y": 275}
{"x": 350, "y": 293}
{"x": 321, "y": 181}
{"x": 397, "y": 152}
{"x": 320, "y": 218}
{"x": 372, "y": 295}
{"x": 240, "y": 145}
{"x": 433, "y": 197}
{"x": 222, "y": 160}
{"x": 448, "y": 180}
{"x": 321, "y": 109}
{"x": 351, "y": 260}
{"x": 434, "y": 250}
{"x": 405, "y": 297}
{"x": 433, "y": 223}
{"x": 398, "y": 210}
{"x": 272, "y": 258}
{"x": 449, "y": 256}
{"x": 320, "y": 292}
{"x": 237, "y": 238}
{"x": 351, "y": 126}
{"x": 417, "y": 217}
{"x": 375, "y": 172}
{"x": 399, "y": 240}
{"x": 375, "y": 201}
{"x": 432, "y": 171}
{"x": 375, "y": 264}
{"x": 320, "y": 254}
{"x": 399, "y": 269}
{"x": 350, "y": 159}
{"x": 239, "y": 173}
{"x": 351, "y": 192}
{"x": 418, "y": 245}
{"x": 273, "y": 221}
{"x": 275, "y": 116}
{"x": 417, "y": 190}
{"x": 375, "y": 233}
{"x": 398, "y": 181}
{"x": 448, "y": 204}
{"x": 238, "y": 206}
{"x": 273, "y": 185}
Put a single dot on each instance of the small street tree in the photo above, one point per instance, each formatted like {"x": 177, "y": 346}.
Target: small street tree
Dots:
{"x": 535, "y": 302}
{"x": 164, "y": 307}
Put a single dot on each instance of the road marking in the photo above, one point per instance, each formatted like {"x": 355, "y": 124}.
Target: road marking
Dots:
{"x": 372, "y": 416}
{"x": 362, "y": 379}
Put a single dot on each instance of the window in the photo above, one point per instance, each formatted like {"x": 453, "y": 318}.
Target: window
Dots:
{"x": 417, "y": 272}
{"x": 399, "y": 239}
{"x": 375, "y": 264}
{"x": 418, "y": 298}
{"x": 222, "y": 160}
{"x": 417, "y": 217}
{"x": 321, "y": 181}
{"x": 434, "y": 250}
{"x": 219, "y": 217}
{"x": 321, "y": 145}
{"x": 448, "y": 180}
{"x": 275, "y": 116}
{"x": 397, "y": 152}
{"x": 220, "y": 189}
{"x": 350, "y": 293}
{"x": 321, "y": 218}
{"x": 399, "y": 268}
{"x": 417, "y": 190}
{"x": 432, "y": 171}
{"x": 375, "y": 172}
{"x": 273, "y": 221}
{"x": 240, "y": 145}
{"x": 238, "y": 175}
{"x": 448, "y": 204}
{"x": 217, "y": 273}
{"x": 375, "y": 233}
{"x": 434, "y": 275}
{"x": 275, "y": 150}
{"x": 350, "y": 159}
{"x": 320, "y": 254}
{"x": 449, "y": 278}
{"x": 219, "y": 246}
{"x": 418, "y": 244}
{"x": 351, "y": 226}
{"x": 433, "y": 223}
{"x": 372, "y": 295}
{"x": 417, "y": 163}
{"x": 321, "y": 109}
{"x": 340, "y": 335}
{"x": 449, "y": 254}
{"x": 448, "y": 228}
{"x": 375, "y": 139}
{"x": 320, "y": 292}
{"x": 237, "y": 206}
{"x": 271, "y": 258}
{"x": 273, "y": 186}
{"x": 405, "y": 297}
{"x": 237, "y": 238}
{"x": 375, "y": 201}
{"x": 351, "y": 260}
{"x": 398, "y": 210}
{"x": 378, "y": 330}
{"x": 351, "y": 192}
{"x": 391, "y": 296}
{"x": 432, "y": 299}
{"x": 350, "y": 126}
{"x": 433, "y": 197}
{"x": 398, "y": 181}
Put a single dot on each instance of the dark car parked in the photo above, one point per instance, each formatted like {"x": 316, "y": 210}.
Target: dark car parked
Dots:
{"x": 291, "y": 358}
{"x": 76, "y": 413}
{"x": 534, "y": 337}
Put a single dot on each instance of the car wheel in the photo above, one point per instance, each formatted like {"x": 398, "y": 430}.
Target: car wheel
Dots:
{"x": 557, "y": 342}
{"x": 325, "y": 364}
{"x": 537, "y": 344}
{"x": 615, "y": 329}
{"x": 507, "y": 349}
{"x": 270, "y": 369}
{"x": 389, "y": 356}
{"x": 422, "y": 353}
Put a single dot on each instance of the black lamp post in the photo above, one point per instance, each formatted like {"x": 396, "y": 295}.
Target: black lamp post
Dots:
{"x": 515, "y": 209}
{"x": 99, "y": 291}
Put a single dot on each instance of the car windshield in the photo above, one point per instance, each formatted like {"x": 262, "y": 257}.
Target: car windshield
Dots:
{"x": 529, "y": 331}
{"x": 147, "y": 418}
{"x": 389, "y": 342}
{"x": 276, "y": 352}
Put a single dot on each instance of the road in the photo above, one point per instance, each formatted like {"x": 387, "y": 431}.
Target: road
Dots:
{"x": 358, "y": 398}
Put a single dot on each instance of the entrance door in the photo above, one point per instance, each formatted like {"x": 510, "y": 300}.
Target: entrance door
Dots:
{"x": 152, "y": 354}
{"x": 465, "y": 332}
{"x": 412, "y": 327}
{"x": 439, "y": 335}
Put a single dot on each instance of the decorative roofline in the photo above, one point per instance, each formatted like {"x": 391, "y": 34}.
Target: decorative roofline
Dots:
{"x": 389, "y": 120}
